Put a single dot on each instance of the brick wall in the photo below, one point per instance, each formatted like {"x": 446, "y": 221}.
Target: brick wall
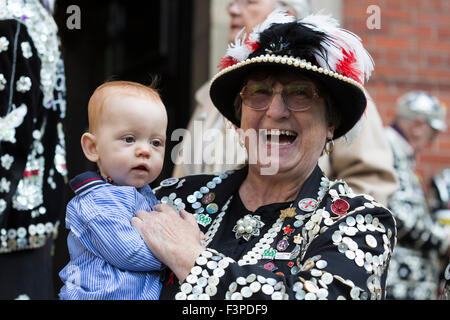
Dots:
{"x": 411, "y": 50}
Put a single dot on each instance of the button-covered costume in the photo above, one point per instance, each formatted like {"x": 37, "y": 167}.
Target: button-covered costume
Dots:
{"x": 327, "y": 244}
{"x": 415, "y": 265}
{"x": 32, "y": 148}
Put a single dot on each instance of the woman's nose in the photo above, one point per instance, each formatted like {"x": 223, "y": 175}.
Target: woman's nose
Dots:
{"x": 234, "y": 8}
{"x": 277, "y": 108}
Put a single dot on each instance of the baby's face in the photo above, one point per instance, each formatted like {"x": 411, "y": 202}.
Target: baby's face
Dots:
{"x": 131, "y": 140}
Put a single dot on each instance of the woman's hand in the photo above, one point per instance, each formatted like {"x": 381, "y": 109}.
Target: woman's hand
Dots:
{"x": 173, "y": 239}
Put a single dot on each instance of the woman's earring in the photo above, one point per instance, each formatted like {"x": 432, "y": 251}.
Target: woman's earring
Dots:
{"x": 329, "y": 146}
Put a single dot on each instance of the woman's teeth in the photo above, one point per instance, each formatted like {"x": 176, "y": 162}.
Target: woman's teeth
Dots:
{"x": 280, "y": 137}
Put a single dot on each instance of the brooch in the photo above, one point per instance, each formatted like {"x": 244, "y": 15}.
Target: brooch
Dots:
{"x": 339, "y": 206}
{"x": 248, "y": 226}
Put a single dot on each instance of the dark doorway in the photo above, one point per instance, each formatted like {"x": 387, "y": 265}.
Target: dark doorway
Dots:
{"x": 126, "y": 40}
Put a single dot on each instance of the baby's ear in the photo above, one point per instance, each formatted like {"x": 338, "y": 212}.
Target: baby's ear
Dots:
{"x": 89, "y": 146}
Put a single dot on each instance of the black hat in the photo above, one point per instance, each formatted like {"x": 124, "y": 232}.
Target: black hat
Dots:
{"x": 314, "y": 46}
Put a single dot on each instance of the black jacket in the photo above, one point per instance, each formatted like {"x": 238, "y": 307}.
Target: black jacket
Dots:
{"x": 319, "y": 254}
{"x": 32, "y": 147}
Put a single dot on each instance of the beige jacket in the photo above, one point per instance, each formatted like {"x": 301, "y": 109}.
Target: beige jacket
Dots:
{"x": 366, "y": 164}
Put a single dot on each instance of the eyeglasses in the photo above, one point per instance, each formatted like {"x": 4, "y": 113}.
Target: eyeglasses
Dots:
{"x": 297, "y": 96}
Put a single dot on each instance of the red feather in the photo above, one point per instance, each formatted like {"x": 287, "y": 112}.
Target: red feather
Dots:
{"x": 346, "y": 67}
{"x": 226, "y": 62}
{"x": 252, "y": 45}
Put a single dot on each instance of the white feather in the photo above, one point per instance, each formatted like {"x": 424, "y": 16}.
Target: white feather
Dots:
{"x": 238, "y": 50}
{"x": 278, "y": 15}
{"x": 342, "y": 39}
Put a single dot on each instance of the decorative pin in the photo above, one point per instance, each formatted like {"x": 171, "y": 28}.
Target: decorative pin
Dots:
{"x": 269, "y": 254}
{"x": 208, "y": 198}
{"x": 168, "y": 182}
{"x": 282, "y": 244}
{"x": 287, "y": 213}
{"x": 339, "y": 206}
{"x": 248, "y": 226}
{"x": 212, "y": 208}
{"x": 294, "y": 253}
{"x": 283, "y": 256}
{"x": 180, "y": 183}
{"x": 203, "y": 219}
{"x": 270, "y": 266}
{"x": 298, "y": 239}
{"x": 288, "y": 230}
{"x": 307, "y": 204}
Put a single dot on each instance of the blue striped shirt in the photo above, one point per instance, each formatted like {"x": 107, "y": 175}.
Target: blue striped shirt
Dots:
{"x": 108, "y": 258}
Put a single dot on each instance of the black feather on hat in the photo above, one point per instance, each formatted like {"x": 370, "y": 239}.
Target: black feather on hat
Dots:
{"x": 315, "y": 46}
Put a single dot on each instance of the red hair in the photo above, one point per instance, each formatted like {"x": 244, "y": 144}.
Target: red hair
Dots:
{"x": 114, "y": 89}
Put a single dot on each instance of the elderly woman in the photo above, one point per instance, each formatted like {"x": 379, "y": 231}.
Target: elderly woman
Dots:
{"x": 290, "y": 234}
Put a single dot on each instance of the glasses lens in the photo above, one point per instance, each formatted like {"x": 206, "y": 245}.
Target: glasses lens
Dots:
{"x": 298, "y": 96}
{"x": 257, "y": 95}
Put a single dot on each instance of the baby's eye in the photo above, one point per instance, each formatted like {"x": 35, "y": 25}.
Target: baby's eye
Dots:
{"x": 156, "y": 143}
{"x": 128, "y": 139}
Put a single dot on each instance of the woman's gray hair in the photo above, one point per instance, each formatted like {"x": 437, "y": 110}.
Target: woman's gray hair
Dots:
{"x": 302, "y": 8}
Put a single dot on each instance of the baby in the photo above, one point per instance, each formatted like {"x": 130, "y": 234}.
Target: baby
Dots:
{"x": 126, "y": 138}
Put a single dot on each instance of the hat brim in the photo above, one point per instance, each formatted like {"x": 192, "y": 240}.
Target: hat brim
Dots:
{"x": 346, "y": 94}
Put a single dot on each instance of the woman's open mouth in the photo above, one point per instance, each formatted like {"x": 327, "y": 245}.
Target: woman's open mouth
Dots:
{"x": 280, "y": 137}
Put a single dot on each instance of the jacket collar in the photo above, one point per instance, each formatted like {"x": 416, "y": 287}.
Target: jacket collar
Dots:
{"x": 231, "y": 185}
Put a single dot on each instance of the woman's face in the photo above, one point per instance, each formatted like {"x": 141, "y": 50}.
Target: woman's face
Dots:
{"x": 418, "y": 132}
{"x": 294, "y": 140}
{"x": 248, "y": 14}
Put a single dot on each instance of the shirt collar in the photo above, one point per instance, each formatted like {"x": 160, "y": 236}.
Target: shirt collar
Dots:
{"x": 86, "y": 181}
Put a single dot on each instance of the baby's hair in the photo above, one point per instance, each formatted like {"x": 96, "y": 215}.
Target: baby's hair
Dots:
{"x": 118, "y": 88}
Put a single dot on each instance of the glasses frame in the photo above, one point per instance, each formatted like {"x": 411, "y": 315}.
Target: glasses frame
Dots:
{"x": 280, "y": 92}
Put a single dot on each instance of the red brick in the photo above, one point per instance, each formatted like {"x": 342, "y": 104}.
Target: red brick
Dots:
{"x": 444, "y": 145}
{"x": 435, "y": 158}
{"x": 413, "y": 30}
{"x": 434, "y": 61}
{"x": 411, "y": 52}
{"x": 399, "y": 15}
{"x": 391, "y": 71}
{"x": 434, "y": 46}
{"x": 433, "y": 18}
{"x": 392, "y": 43}
{"x": 435, "y": 74}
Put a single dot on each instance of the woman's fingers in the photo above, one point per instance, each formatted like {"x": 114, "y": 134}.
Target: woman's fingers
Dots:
{"x": 137, "y": 222}
{"x": 141, "y": 214}
{"x": 188, "y": 217}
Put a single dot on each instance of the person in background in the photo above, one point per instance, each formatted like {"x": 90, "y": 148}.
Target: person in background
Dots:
{"x": 439, "y": 202}
{"x": 446, "y": 291}
{"x": 363, "y": 160}
{"x": 439, "y": 196}
{"x": 415, "y": 265}
{"x": 33, "y": 168}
